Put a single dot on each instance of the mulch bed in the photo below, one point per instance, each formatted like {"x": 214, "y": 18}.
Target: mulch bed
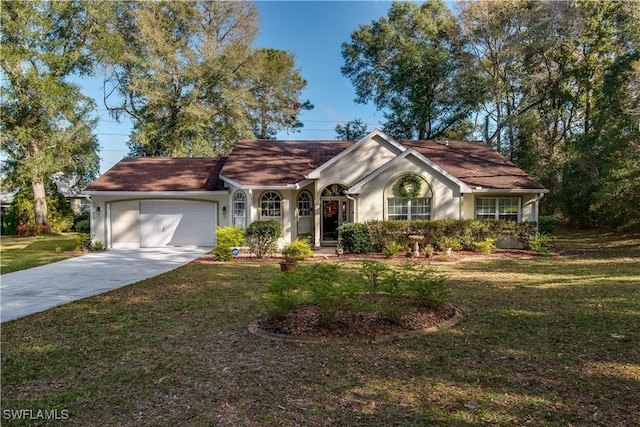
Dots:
{"x": 305, "y": 321}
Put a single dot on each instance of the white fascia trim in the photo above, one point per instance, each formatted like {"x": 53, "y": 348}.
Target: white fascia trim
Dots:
{"x": 147, "y": 194}
{"x": 315, "y": 174}
{"x": 231, "y": 182}
{"x": 357, "y": 188}
{"x": 479, "y": 191}
{"x": 303, "y": 184}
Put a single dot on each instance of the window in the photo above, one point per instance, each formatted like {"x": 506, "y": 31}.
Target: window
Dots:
{"x": 400, "y": 208}
{"x": 305, "y": 213}
{"x": 502, "y": 208}
{"x": 239, "y": 209}
{"x": 271, "y": 206}
{"x": 334, "y": 190}
{"x": 305, "y": 205}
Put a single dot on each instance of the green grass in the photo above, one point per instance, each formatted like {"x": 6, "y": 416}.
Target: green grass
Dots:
{"x": 20, "y": 253}
{"x": 548, "y": 341}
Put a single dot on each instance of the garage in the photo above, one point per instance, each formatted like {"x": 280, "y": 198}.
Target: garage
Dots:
{"x": 160, "y": 223}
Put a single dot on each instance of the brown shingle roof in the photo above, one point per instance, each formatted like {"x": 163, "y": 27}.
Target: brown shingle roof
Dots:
{"x": 273, "y": 163}
{"x": 261, "y": 162}
{"x": 475, "y": 163}
{"x": 161, "y": 174}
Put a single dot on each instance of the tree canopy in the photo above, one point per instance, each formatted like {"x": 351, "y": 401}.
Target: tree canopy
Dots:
{"x": 353, "y": 130}
{"x": 188, "y": 77}
{"x": 47, "y": 123}
{"x": 413, "y": 66}
{"x": 552, "y": 85}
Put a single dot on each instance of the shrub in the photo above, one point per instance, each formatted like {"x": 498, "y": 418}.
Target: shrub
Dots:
{"x": 450, "y": 242}
{"x": 262, "y": 237}
{"x": 373, "y": 274}
{"x": 28, "y": 230}
{"x": 222, "y": 253}
{"x": 284, "y": 293}
{"x": 425, "y": 285}
{"x": 392, "y": 249}
{"x": 332, "y": 288}
{"x": 81, "y": 222}
{"x": 83, "y": 226}
{"x": 229, "y": 236}
{"x": 547, "y": 224}
{"x": 487, "y": 246}
{"x": 82, "y": 242}
{"x": 466, "y": 232}
{"x": 355, "y": 238}
{"x": 97, "y": 246}
{"x": 429, "y": 250}
{"x": 325, "y": 290}
{"x": 540, "y": 244}
{"x": 297, "y": 251}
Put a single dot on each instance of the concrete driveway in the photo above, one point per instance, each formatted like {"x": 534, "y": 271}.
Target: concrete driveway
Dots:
{"x": 40, "y": 288}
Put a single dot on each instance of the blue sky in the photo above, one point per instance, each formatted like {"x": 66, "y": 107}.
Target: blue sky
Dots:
{"x": 314, "y": 32}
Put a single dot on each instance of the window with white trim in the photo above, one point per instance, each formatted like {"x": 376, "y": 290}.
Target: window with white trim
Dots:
{"x": 271, "y": 206}
{"x": 401, "y": 208}
{"x": 305, "y": 213}
{"x": 239, "y": 207}
{"x": 499, "y": 208}
{"x": 305, "y": 204}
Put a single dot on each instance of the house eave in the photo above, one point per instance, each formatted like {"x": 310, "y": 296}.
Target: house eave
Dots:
{"x": 147, "y": 194}
{"x": 480, "y": 190}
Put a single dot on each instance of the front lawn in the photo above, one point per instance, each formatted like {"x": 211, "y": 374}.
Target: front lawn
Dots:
{"x": 544, "y": 341}
{"x": 20, "y": 253}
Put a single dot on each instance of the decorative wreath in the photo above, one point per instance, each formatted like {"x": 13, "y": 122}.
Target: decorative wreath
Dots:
{"x": 410, "y": 186}
{"x": 330, "y": 209}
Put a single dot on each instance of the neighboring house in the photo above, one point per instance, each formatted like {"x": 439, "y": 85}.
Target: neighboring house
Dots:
{"x": 310, "y": 187}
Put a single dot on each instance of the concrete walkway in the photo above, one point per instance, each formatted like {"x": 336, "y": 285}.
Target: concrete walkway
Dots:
{"x": 37, "y": 289}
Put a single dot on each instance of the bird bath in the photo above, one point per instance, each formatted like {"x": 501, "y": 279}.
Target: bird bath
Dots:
{"x": 415, "y": 238}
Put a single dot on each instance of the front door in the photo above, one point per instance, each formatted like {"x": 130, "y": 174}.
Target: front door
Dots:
{"x": 335, "y": 212}
{"x": 330, "y": 220}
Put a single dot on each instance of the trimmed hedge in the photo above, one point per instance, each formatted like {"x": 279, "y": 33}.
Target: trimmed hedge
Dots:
{"x": 376, "y": 235}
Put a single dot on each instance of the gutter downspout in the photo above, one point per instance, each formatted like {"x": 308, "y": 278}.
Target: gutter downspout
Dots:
{"x": 536, "y": 207}
{"x": 355, "y": 210}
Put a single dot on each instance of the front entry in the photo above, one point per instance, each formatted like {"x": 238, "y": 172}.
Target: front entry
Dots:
{"x": 335, "y": 212}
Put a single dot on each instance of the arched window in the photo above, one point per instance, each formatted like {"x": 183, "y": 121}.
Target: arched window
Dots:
{"x": 271, "y": 206}
{"x": 305, "y": 213}
{"x": 239, "y": 209}
{"x": 334, "y": 190}
{"x": 401, "y": 205}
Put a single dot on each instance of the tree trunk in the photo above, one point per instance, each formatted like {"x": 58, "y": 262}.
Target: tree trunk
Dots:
{"x": 40, "y": 203}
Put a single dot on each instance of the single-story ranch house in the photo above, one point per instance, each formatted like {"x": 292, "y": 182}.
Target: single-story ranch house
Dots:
{"x": 310, "y": 187}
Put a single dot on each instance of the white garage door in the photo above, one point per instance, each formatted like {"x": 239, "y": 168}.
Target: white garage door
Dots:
{"x": 177, "y": 223}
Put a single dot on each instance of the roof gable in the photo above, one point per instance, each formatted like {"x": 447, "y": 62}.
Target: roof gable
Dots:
{"x": 357, "y": 188}
{"x": 161, "y": 174}
{"x": 376, "y": 135}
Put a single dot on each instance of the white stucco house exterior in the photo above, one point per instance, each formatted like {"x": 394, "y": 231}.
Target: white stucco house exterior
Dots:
{"x": 310, "y": 187}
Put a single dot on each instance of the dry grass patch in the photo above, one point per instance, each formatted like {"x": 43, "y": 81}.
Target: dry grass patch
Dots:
{"x": 544, "y": 341}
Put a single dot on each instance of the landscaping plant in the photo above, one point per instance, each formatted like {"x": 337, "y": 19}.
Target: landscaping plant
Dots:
{"x": 355, "y": 238}
{"x": 262, "y": 237}
{"x": 297, "y": 251}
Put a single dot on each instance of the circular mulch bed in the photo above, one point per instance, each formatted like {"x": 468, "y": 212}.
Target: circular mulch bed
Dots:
{"x": 303, "y": 324}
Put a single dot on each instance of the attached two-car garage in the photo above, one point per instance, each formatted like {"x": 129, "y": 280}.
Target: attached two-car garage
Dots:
{"x": 159, "y": 223}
